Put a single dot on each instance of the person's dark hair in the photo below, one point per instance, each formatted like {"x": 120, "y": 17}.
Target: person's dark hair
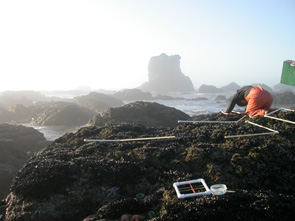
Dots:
{"x": 242, "y": 102}
{"x": 241, "y": 99}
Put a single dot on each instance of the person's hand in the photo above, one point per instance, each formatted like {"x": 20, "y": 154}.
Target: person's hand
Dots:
{"x": 225, "y": 113}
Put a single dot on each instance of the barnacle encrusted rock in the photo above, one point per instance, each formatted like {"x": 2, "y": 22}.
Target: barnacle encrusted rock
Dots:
{"x": 72, "y": 179}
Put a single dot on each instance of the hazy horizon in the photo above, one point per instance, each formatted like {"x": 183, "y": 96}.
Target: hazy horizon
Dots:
{"x": 107, "y": 44}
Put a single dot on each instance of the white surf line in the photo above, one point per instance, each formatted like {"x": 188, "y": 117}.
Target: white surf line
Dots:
{"x": 256, "y": 134}
{"x": 131, "y": 139}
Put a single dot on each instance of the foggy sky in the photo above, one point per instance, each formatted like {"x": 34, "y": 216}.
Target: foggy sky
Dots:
{"x": 61, "y": 44}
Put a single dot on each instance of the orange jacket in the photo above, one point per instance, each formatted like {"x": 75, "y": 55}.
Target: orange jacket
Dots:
{"x": 258, "y": 101}
{"x": 256, "y": 98}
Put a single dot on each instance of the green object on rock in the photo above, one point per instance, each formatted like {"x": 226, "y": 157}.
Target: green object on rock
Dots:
{"x": 288, "y": 73}
{"x": 139, "y": 195}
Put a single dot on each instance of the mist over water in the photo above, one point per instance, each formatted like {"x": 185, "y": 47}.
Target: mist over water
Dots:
{"x": 185, "y": 104}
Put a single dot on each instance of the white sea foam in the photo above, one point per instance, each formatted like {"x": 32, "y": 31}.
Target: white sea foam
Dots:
{"x": 194, "y": 105}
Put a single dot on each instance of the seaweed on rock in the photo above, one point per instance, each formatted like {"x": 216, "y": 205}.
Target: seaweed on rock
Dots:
{"x": 74, "y": 179}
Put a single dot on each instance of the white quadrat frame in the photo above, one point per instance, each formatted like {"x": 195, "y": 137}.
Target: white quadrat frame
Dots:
{"x": 131, "y": 139}
{"x": 212, "y": 122}
{"x": 191, "y": 191}
{"x": 272, "y": 132}
{"x": 215, "y": 122}
{"x": 280, "y": 119}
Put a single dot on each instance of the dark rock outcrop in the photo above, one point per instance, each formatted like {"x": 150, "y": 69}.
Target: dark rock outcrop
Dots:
{"x": 62, "y": 114}
{"x": 166, "y": 97}
{"x": 98, "y": 102}
{"x": 21, "y": 112}
{"x": 25, "y": 98}
{"x": 133, "y": 95}
{"x": 49, "y": 114}
{"x": 165, "y": 76}
{"x": 264, "y": 86}
{"x": 145, "y": 113}
{"x": 17, "y": 144}
{"x": 199, "y": 99}
{"x": 220, "y": 98}
{"x": 27, "y": 138}
{"x": 231, "y": 87}
{"x": 209, "y": 89}
{"x": 5, "y": 115}
{"x": 284, "y": 98}
{"x": 72, "y": 179}
{"x": 283, "y": 88}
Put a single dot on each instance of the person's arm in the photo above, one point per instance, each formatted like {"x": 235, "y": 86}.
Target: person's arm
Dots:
{"x": 232, "y": 103}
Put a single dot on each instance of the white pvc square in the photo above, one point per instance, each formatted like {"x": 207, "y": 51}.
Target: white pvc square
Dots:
{"x": 191, "y": 188}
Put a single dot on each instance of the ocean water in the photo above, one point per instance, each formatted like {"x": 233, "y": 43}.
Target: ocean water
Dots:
{"x": 188, "y": 106}
{"x": 196, "y": 107}
{"x": 54, "y": 132}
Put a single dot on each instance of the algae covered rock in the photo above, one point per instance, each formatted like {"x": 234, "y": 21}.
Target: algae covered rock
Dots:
{"x": 62, "y": 114}
{"x": 17, "y": 144}
{"x": 72, "y": 179}
{"x": 145, "y": 113}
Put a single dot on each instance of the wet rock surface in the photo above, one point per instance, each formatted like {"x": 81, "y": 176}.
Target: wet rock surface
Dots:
{"x": 74, "y": 180}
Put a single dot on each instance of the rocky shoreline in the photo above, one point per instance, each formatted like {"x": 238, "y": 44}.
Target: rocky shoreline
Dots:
{"x": 76, "y": 180}
{"x": 36, "y": 109}
{"x": 17, "y": 144}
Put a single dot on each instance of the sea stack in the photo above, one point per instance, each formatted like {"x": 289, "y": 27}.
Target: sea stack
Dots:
{"x": 165, "y": 76}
